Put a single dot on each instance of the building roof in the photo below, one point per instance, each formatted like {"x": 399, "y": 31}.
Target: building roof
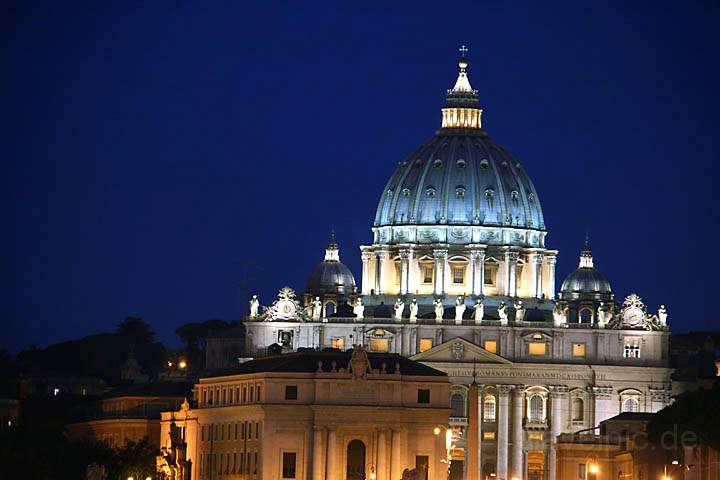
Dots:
{"x": 586, "y": 279}
{"x": 631, "y": 417}
{"x": 461, "y": 177}
{"x": 331, "y": 275}
{"x": 152, "y": 389}
{"x": 307, "y": 362}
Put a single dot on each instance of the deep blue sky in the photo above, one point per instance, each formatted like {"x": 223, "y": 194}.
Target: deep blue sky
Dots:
{"x": 159, "y": 150}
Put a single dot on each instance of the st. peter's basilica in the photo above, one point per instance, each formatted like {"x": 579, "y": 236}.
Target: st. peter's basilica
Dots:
{"x": 459, "y": 277}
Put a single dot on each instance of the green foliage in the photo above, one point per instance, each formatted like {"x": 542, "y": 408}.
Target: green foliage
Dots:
{"x": 691, "y": 413}
{"x": 31, "y": 454}
{"x": 108, "y": 352}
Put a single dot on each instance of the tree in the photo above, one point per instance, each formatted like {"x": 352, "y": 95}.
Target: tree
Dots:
{"x": 136, "y": 330}
{"x": 134, "y": 459}
{"x": 691, "y": 413}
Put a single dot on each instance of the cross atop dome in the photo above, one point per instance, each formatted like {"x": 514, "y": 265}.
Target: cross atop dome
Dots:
{"x": 462, "y": 84}
{"x": 332, "y": 252}
{"x": 462, "y": 108}
{"x": 586, "y": 258}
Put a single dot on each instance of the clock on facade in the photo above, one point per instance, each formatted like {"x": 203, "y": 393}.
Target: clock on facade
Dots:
{"x": 633, "y": 316}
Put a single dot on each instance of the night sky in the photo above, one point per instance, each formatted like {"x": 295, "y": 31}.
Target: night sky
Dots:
{"x": 162, "y": 153}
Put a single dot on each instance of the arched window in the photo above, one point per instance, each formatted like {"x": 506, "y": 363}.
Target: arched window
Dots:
{"x": 457, "y": 403}
{"x": 329, "y": 309}
{"x": 489, "y": 408}
{"x": 631, "y": 405}
{"x": 578, "y": 410}
{"x": 536, "y": 408}
{"x": 586, "y": 315}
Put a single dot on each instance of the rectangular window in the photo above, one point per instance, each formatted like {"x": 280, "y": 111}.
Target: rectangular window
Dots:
{"x": 288, "y": 464}
{"x": 210, "y": 397}
{"x": 425, "y": 344}
{"x": 490, "y": 346}
{"x": 582, "y": 471}
{"x": 422, "y": 463}
{"x": 537, "y": 348}
{"x": 204, "y": 397}
{"x": 490, "y": 277}
{"x": 538, "y": 436}
{"x": 242, "y": 432}
{"x": 488, "y": 435}
{"x": 257, "y": 430}
{"x": 224, "y": 396}
{"x": 202, "y": 433}
{"x": 338, "y": 342}
{"x": 233, "y": 398}
{"x": 291, "y": 392}
{"x": 249, "y": 430}
{"x": 458, "y": 275}
{"x": 257, "y": 393}
{"x": 632, "y": 349}
{"x": 427, "y": 274}
{"x": 578, "y": 349}
{"x": 423, "y": 395}
{"x": 379, "y": 345}
{"x": 242, "y": 462}
{"x": 251, "y": 397}
{"x": 244, "y": 396}
{"x": 397, "y": 274}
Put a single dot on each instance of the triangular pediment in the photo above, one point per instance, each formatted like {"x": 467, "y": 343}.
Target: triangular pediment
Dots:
{"x": 461, "y": 351}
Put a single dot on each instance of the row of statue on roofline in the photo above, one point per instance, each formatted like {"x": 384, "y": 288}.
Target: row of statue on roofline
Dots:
{"x": 603, "y": 317}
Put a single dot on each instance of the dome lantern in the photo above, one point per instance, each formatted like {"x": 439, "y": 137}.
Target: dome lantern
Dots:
{"x": 462, "y": 108}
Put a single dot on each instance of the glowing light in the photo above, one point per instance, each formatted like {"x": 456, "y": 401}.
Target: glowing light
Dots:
{"x": 594, "y": 468}
{"x": 182, "y": 364}
{"x": 675, "y": 462}
{"x": 169, "y": 364}
{"x": 436, "y": 430}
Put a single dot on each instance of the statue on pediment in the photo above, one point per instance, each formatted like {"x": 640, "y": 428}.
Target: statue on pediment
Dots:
{"x": 519, "y": 311}
{"x": 502, "y": 313}
{"x": 413, "y": 310}
{"x": 478, "y": 311}
{"x": 439, "y": 310}
{"x": 254, "y": 306}
{"x": 359, "y": 308}
{"x": 398, "y": 309}
{"x": 459, "y": 309}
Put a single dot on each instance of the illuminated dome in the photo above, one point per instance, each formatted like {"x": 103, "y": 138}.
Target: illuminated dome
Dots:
{"x": 461, "y": 178}
{"x": 586, "y": 280}
{"x": 331, "y": 275}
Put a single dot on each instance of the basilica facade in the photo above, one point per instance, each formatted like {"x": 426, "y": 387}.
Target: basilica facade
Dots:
{"x": 459, "y": 277}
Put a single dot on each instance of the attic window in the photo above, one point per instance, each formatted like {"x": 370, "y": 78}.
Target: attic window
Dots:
{"x": 460, "y": 191}
{"x": 537, "y": 336}
{"x": 430, "y": 191}
{"x": 406, "y": 192}
{"x": 389, "y": 193}
{"x": 461, "y": 163}
{"x": 418, "y": 162}
{"x": 437, "y": 163}
{"x": 484, "y": 164}
{"x": 489, "y": 192}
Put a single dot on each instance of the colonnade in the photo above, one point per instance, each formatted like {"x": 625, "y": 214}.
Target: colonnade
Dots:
{"x": 385, "y": 458}
{"x": 510, "y": 418}
{"x": 517, "y": 272}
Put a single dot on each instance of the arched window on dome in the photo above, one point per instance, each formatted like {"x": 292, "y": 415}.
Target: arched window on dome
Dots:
{"x": 586, "y": 315}
{"x": 329, "y": 309}
{"x": 578, "y": 410}
{"x": 491, "y": 268}
{"x": 457, "y": 404}
{"x": 489, "y": 408}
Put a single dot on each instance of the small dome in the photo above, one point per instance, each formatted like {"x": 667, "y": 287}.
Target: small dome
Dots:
{"x": 331, "y": 275}
{"x": 586, "y": 279}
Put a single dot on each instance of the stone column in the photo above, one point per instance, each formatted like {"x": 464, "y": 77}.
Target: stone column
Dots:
{"x": 557, "y": 423}
{"x": 516, "y": 458}
{"x": 549, "y": 283}
{"x": 477, "y": 259}
{"x": 404, "y": 271}
{"x": 536, "y": 260}
{"x": 333, "y": 468}
{"x": 385, "y": 272}
{"x": 511, "y": 259}
{"x": 318, "y": 466}
{"x": 378, "y": 273}
{"x": 382, "y": 464}
{"x": 396, "y": 461}
{"x": 440, "y": 256}
{"x": 502, "y": 431}
{"x": 367, "y": 282}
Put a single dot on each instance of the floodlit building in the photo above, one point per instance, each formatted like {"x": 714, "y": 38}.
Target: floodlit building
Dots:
{"x": 312, "y": 415}
{"x": 460, "y": 276}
